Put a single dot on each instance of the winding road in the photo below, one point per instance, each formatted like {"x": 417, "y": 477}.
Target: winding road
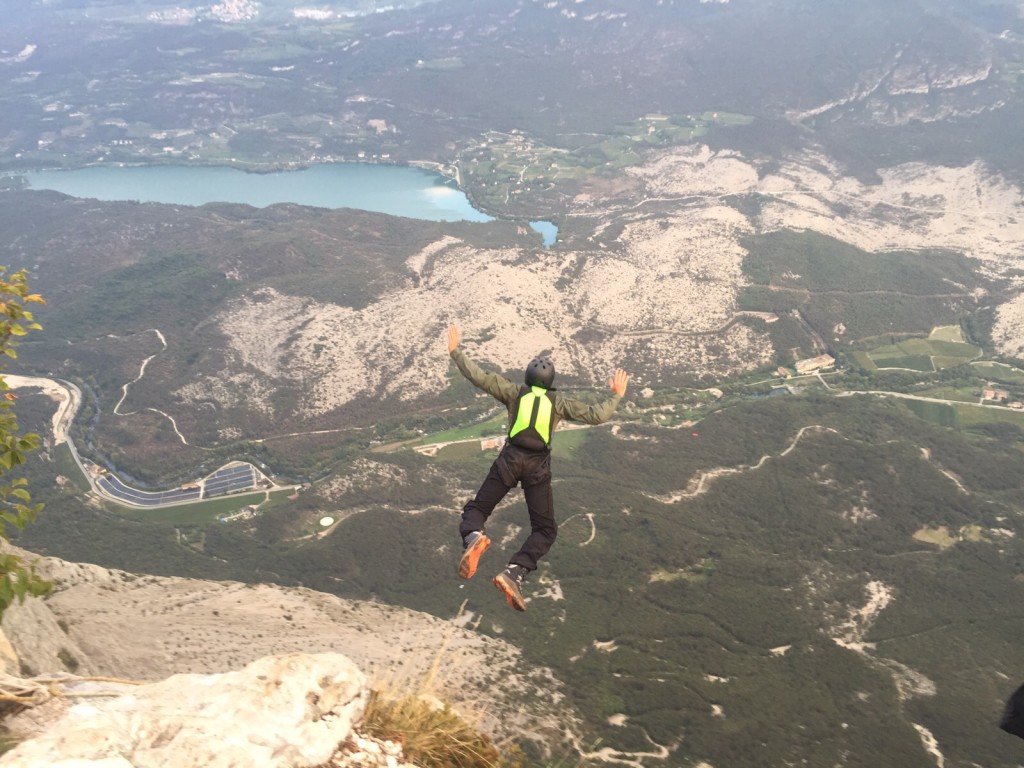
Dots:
{"x": 232, "y": 477}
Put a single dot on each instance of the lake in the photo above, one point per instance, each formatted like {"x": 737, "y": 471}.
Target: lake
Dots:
{"x": 394, "y": 189}
{"x": 548, "y": 231}
{"x": 397, "y": 190}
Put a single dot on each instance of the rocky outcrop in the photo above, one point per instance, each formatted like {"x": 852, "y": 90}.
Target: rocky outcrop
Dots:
{"x": 35, "y": 640}
{"x": 281, "y": 711}
{"x": 101, "y": 622}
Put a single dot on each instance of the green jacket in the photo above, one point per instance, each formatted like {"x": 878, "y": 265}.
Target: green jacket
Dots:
{"x": 505, "y": 391}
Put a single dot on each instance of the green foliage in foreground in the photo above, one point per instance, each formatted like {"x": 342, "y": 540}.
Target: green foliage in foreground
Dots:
{"x": 16, "y": 508}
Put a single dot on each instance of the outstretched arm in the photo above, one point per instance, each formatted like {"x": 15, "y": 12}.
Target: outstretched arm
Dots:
{"x": 576, "y": 410}
{"x": 497, "y": 386}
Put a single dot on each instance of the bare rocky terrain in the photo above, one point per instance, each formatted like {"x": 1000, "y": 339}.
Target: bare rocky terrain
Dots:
{"x": 660, "y": 290}
{"x": 110, "y": 623}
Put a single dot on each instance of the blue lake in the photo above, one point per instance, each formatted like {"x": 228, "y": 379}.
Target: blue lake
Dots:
{"x": 547, "y": 230}
{"x": 394, "y": 189}
{"x": 397, "y": 190}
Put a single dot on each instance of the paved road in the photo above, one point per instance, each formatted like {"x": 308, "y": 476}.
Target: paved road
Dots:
{"x": 233, "y": 477}
{"x": 905, "y": 396}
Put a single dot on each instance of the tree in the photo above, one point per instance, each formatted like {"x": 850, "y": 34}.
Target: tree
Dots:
{"x": 17, "y": 579}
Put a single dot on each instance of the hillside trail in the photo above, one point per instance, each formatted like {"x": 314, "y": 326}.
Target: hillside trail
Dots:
{"x": 617, "y": 757}
{"x": 699, "y": 484}
{"x": 68, "y": 398}
{"x": 852, "y": 635}
{"x": 142, "y": 372}
{"x": 174, "y": 424}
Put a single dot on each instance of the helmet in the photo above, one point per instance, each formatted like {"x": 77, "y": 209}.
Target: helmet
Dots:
{"x": 540, "y": 373}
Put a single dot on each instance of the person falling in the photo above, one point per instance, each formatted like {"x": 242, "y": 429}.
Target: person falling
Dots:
{"x": 534, "y": 411}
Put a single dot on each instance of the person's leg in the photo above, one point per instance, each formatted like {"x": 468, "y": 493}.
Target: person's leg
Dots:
{"x": 510, "y": 583}
{"x": 479, "y": 508}
{"x": 474, "y": 517}
{"x": 541, "y": 506}
{"x": 543, "y": 529}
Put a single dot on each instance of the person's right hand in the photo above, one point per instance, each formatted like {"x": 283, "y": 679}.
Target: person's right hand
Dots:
{"x": 453, "y": 337}
{"x": 618, "y": 382}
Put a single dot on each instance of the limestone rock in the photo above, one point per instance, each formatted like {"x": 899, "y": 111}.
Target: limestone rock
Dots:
{"x": 278, "y": 712}
{"x": 364, "y": 752}
{"x": 112, "y": 624}
{"x": 39, "y": 642}
{"x": 9, "y": 662}
{"x": 144, "y": 628}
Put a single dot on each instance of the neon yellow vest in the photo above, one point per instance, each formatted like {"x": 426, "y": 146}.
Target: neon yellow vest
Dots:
{"x": 533, "y": 410}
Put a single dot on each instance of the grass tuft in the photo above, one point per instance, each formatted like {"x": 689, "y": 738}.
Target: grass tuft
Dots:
{"x": 431, "y": 734}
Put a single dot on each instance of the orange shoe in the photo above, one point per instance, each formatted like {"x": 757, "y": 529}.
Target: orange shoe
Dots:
{"x": 510, "y": 581}
{"x": 476, "y": 544}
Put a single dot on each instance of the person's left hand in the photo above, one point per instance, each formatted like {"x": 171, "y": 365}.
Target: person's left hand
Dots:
{"x": 453, "y": 337}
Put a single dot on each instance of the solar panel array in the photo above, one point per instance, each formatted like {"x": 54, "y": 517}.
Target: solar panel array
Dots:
{"x": 224, "y": 481}
{"x": 240, "y": 477}
{"x": 119, "y": 490}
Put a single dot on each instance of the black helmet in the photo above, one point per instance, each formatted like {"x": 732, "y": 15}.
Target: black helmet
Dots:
{"x": 540, "y": 373}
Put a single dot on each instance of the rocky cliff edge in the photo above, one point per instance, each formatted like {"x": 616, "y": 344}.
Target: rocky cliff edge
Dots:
{"x": 157, "y": 641}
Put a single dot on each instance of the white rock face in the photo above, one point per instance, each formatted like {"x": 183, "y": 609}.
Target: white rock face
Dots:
{"x": 113, "y": 624}
{"x": 1008, "y": 331}
{"x": 39, "y": 645}
{"x": 278, "y": 712}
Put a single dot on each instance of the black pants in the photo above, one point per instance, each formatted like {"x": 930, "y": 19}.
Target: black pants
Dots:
{"x": 516, "y": 465}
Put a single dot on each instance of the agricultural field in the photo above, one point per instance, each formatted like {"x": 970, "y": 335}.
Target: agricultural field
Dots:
{"x": 67, "y": 467}
{"x": 568, "y": 442}
{"x": 863, "y": 359}
{"x": 493, "y": 426}
{"x": 943, "y": 538}
{"x": 964, "y": 416}
{"x": 944, "y": 348}
{"x": 199, "y": 512}
{"x": 948, "y": 333}
{"x": 959, "y": 394}
{"x": 464, "y": 443}
{"x": 1005, "y": 374}
{"x": 461, "y": 452}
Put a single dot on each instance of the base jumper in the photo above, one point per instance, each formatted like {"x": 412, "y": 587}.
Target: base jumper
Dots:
{"x": 534, "y": 411}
